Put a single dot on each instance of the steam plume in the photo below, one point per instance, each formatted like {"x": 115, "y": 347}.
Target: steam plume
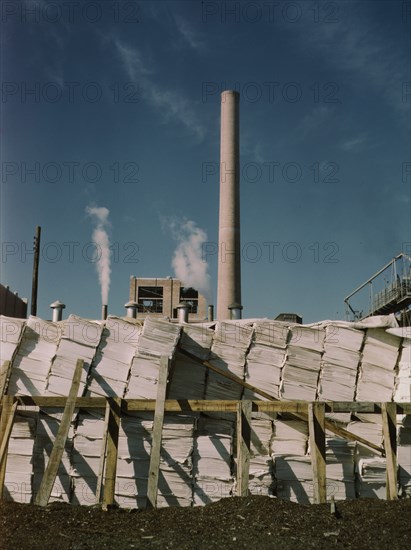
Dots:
{"x": 99, "y": 216}
{"x": 188, "y": 263}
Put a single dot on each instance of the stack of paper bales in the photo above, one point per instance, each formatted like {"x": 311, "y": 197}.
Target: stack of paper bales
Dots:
{"x": 79, "y": 341}
{"x": 188, "y": 380}
{"x": 86, "y": 457}
{"x": 302, "y": 367}
{"x": 111, "y": 365}
{"x": 261, "y": 470}
{"x": 371, "y": 477}
{"x": 158, "y": 338}
{"x": 340, "y": 362}
{"x": 34, "y": 357}
{"x": 10, "y": 333}
{"x": 293, "y": 471}
{"x": 212, "y": 456}
{"x": 19, "y": 468}
{"x": 294, "y": 478}
{"x": 377, "y": 372}
{"x": 228, "y": 352}
{"x": 370, "y": 468}
{"x": 46, "y": 431}
{"x": 175, "y": 474}
{"x": 339, "y": 454}
{"x": 266, "y": 358}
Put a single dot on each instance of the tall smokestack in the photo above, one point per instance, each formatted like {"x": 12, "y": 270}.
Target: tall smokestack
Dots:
{"x": 229, "y": 257}
{"x": 104, "y": 309}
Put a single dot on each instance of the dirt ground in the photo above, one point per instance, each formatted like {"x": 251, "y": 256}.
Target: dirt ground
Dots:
{"x": 249, "y": 522}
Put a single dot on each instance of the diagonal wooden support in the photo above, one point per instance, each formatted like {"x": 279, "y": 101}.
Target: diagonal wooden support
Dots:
{"x": 113, "y": 428}
{"x": 153, "y": 474}
{"x": 53, "y": 464}
{"x": 330, "y": 426}
{"x": 6, "y": 425}
{"x": 243, "y": 446}
{"x": 389, "y": 430}
{"x": 316, "y": 426}
{"x": 4, "y": 376}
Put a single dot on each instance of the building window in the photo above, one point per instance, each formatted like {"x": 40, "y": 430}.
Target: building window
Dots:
{"x": 189, "y": 296}
{"x": 150, "y": 298}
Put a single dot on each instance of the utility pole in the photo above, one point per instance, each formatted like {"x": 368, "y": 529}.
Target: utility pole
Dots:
{"x": 34, "y": 286}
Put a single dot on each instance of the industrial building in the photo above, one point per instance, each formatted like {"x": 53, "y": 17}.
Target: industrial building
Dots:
{"x": 159, "y": 298}
{"x": 11, "y": 304}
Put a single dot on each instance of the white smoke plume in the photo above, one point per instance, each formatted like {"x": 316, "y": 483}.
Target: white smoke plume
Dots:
{"x": 99, "y": 216}
{"x": 188, "y": 262}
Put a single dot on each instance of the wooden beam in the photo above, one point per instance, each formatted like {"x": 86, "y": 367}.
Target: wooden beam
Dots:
{"x": 389, "y": 430}
{"x": 316, "y": 424}
{"x": 216, "y": 405}
{"x": 243, "y": 446}
{"x": 4, "y": 422}
{"x": 7, "y": 432}
{"x": 154, "y": 469}
{"x": 49, "y": 477}
{"x": 328, "y": 424}
{"x": 4, "y": 376}
{"x": 113, "y": 429}
{"x": 103, "y": 454}
{"x": 56, "y": 401}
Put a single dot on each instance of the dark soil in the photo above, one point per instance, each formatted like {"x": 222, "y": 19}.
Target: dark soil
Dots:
{"x": 250, "y": 522}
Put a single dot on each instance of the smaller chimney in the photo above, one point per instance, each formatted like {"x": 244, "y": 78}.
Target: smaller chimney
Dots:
{"x": 104, "y": 312}
{"x": 182, "y": 312}
{"x": 131, "y": 308}
{"x": 57, "y": 308}
{"x": 210, "y": 313}
{"x": 235, "y": 311}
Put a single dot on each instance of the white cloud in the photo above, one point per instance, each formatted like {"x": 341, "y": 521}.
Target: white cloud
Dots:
{"x": 170, "y": 103}
{"x": 313, "y": 120}
{"x": 190, "y": 36}
{"x": 354, "y": 144}
{"x": 356, "y": 45}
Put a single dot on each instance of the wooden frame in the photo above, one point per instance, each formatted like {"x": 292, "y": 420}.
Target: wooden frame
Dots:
{"x": 315, "y": 413}
{"x": 312, "y": 413}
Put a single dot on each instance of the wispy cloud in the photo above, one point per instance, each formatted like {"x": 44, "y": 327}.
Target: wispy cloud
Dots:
{"x": 190, "y": 36}
{"x": 354, "y": 144}
{"x": 356, "y": 44}
{"x": 171, "y": 104}
{"x": 314, "y": 120}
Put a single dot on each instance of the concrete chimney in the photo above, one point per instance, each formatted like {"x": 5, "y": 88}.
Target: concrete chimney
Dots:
{"x": 57, "y": 308}
{"x": 210, "y": 315}
{"x": 104, "y": 309}
{"x": 229, "y": 252}
{"x": 182, "y": 312}
{"x": 131, "y": 309}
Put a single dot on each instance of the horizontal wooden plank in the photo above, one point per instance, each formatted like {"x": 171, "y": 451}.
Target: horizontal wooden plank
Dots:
{"x": 198, "y": 405}
{"x": 57, "y": 401}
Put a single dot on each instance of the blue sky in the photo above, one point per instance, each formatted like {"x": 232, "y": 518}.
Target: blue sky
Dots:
{"x": 116, "y": 105}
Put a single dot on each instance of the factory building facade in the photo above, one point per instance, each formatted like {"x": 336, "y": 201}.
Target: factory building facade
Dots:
{"x": 159, "y": 297}
{"x": 11, "y": 304}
